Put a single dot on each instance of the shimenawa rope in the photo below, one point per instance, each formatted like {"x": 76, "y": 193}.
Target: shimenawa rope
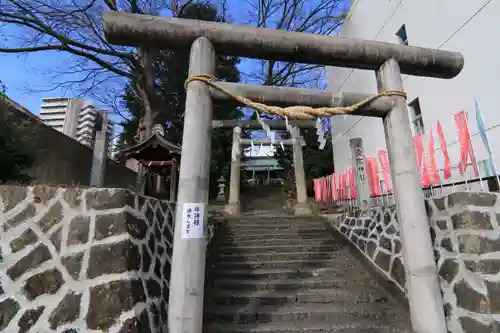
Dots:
{"x": 292, "y": 112}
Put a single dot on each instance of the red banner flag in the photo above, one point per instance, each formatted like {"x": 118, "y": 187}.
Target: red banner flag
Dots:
{"x": 466, "y": 150}
{"x": 317, "y": 189}
{"x": 444, "y": 149}
{"x": 334, "y": 186}
{"x": 434, "y": 174}
{"x": 386, "y": 169}
{"x": 343, "y": 185}
{"x": 352, "y": 183}
{"x": 421, "y": 161}
{"x": 327, "y": 188}
{"x": 372, "y": 172}
{"x": 339, "y": 187}
{"x": 324, "y": 190}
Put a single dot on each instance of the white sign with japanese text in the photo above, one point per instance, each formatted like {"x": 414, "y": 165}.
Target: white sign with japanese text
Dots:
{"x": 193, "y": 217}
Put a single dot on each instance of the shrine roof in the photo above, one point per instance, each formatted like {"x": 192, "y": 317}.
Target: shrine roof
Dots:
{"x": 155, "y": 148}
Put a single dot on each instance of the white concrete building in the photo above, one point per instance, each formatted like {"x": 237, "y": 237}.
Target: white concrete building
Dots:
{"x": 77, "y": 118}
{"x": 469, "y": 27}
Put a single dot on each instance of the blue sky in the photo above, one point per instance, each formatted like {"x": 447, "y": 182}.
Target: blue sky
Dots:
{"x": 21, "y": 74}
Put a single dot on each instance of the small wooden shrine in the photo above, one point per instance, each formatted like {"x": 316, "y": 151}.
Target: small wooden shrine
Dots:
{"x": 160, "y": 159}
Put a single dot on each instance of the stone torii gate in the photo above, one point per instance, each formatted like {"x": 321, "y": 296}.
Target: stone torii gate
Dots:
{"x": 233, "y": 207}
{"x": 388, "y": 61}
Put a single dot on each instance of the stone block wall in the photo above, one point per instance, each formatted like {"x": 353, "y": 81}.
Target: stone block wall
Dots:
{"x": 375, "y": 232}
{"x": 465, "y": 228}
{"x": 83, "y": 260}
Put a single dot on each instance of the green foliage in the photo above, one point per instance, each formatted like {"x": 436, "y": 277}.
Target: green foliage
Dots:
{"x": 171, "y": 70}
{"x": 17, "y": 147}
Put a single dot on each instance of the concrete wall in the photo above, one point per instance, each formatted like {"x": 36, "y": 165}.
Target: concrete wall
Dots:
{"x": 79, "y": 260}
{"x": 469, "y": 27}
{"x": 62, "y": 160}
{"x": 465, "y": 229}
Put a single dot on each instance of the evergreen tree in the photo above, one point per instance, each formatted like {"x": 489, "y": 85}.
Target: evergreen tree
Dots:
{"x": 17, "y": 148}
{"x": 317, "y": 163}
{"x": 171, "y": 70}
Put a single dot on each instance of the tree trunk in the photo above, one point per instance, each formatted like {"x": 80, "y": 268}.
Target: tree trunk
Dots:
{"x": 147, "y": 89}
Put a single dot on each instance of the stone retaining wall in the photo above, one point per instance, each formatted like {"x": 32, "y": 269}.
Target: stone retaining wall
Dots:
{"x": 83, "y": 260}
{"x": 375, "y": 233}
{"x": 466, "y": 232}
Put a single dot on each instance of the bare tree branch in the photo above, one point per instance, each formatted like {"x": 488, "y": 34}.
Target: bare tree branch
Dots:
{"x": 321, "y": 17}
{"x": 75, "y": 28}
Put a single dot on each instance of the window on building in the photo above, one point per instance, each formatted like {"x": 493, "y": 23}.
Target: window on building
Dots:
{"x": 402, "y": 36}
{"x": 416, "y": 116}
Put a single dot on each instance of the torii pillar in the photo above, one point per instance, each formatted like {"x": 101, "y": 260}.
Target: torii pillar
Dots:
{"x": 302, "y": 207}
{"x": 233, "y": 207}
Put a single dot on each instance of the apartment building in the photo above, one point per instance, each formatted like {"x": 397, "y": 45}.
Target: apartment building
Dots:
{"x": 469, "y": 27}
{"x": 77, "y": 118}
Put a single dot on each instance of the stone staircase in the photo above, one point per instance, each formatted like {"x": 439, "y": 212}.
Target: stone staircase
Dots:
{"x": 287, "y": 274}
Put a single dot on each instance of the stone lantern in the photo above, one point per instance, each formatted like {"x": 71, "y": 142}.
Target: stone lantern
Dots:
{"x": 221, "y": 196}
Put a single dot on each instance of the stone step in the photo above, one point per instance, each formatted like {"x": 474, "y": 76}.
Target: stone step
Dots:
{"x": 263, "y": 234}
{"x": 328, "y": 313}
{"x": 274, "y": 231}
{"x": 291, "y": 273}
{"x": 286, "y": 248}
{"x": 295, "y": 240}
{"x": 280, "y": 283}
{"x": 345, "y": 296}
{"x": 289, "y": 264}
{"x": 278, "y": 226}
{"x": 283, "y": 224}
{"x": 279, "y": 275}
{"x": 269, "y": 256}
{"x": 274, "y": 219}
{"x": 360, "y": 326}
